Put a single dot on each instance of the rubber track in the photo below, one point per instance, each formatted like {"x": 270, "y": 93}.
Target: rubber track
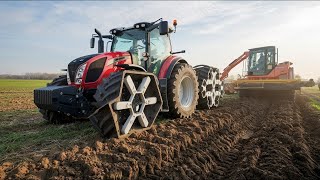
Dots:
{"x": 107, "y": 91}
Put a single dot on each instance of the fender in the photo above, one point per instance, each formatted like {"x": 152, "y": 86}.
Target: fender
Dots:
{"x": 168, "y": 65}
{"x": 163, "y": 76}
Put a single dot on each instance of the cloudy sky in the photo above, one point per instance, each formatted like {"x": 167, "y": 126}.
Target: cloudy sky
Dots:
{"x": 46, "y": 36}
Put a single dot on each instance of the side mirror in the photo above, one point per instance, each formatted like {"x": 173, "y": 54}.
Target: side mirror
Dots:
{"x": 163, "y": 28}
{"x": 92, "y": 42}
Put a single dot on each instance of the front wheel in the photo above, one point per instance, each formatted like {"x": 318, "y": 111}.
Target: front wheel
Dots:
{"x": 182, "y": 91}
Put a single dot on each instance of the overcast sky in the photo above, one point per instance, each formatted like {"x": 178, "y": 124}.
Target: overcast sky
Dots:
{"x": 46, "y": 36}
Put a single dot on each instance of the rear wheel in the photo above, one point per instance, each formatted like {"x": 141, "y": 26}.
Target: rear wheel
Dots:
{"x": 210, "y": 86}
{"x": 182, "y": 91}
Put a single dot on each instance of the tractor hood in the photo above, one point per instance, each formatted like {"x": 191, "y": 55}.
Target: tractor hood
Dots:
{"x": 73, "y": 65}
{"x": 90, "y": 69}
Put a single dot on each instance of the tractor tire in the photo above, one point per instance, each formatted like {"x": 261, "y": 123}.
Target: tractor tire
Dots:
{"x": 127, "y": 101}
{"x": 210, "y": 87}
{"x": 59, "y": 81}
{"x": 56, "y": 117}
{"x": 107, "y": 91}
{"x": 182, "y": 91}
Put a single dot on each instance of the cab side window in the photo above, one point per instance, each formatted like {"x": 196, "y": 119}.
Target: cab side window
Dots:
{"x": 160, "y": 47}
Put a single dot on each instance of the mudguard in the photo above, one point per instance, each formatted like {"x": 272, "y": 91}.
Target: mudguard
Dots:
{"x": 163, "y": 76}
{"x": 168, "y": 65}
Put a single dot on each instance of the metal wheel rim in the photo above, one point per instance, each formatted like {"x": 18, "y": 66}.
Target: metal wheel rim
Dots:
{"x": 186, "y": 92}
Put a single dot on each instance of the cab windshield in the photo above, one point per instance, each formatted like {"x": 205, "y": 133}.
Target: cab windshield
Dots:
{"x": 261, "y": 61}
{"x": 257, "y": 62}
{"x": 132, "y": 41}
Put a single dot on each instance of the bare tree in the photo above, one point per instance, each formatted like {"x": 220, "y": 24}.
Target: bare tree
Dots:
{"x": 40, "y": 76}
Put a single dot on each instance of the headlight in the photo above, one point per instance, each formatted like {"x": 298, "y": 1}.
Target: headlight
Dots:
{"x": 68, "y": 77}
{"x": 79, "y": 73}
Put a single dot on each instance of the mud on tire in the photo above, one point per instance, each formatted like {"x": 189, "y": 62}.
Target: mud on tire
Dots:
{"x": 107, "y": 91}
{"x": 210, "y": 86}
{"x": 59, "y": 81}
{"x": 182, "y": 91}
{"x": 127, "y": 101}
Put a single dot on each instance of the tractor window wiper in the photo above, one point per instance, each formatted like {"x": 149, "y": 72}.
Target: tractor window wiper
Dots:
{"x": 126, "y": 41}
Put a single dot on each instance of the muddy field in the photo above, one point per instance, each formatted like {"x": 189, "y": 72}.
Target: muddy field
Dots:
{"x": 243, "y": 139}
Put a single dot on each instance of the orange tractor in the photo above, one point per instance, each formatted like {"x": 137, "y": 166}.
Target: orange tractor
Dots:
{"x": 264, "y": 75}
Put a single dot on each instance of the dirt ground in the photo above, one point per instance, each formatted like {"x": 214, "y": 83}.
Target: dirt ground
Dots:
{"x": 18, "y": 94}
{"x": 243, "y": 139}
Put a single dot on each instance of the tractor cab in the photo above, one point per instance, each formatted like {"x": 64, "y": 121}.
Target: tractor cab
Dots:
{"x": 135, "y": 41}
{"x": 147, "y": 43}
{"x": 262, "y": 60}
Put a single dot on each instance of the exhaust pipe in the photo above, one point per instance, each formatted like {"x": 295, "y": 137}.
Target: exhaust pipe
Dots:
{"x": 100, "y": 42}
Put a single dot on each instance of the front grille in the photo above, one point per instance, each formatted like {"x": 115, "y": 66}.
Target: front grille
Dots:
{"x": 95, "y": 70}
{"x": 42, "y": 96}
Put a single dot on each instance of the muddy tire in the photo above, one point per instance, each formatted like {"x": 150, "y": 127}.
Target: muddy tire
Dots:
{"x": 55, "y": 117}
{"x": 59, "y": 81}
{"x": 127, "y": 101}
{"x": 107, "y": 91}
{"x": 182, "y": 91}
{"x": 210, "y": 86}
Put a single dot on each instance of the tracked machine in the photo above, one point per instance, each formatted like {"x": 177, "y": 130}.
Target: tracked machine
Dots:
{"x": 123, "y": 90}
{"x": 264, "y": 76}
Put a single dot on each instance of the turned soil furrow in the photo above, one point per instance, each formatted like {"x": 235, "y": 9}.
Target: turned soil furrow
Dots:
{"x": 244, "y": 139}
{"x": 229, "y": 162}
{"x": 278, "y": 148}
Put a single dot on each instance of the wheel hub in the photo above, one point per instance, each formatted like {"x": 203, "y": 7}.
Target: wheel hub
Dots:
{"x": 136, "y": 103}
{"x": 186, "y": 93}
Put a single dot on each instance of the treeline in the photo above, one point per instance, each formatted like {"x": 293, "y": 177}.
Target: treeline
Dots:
{"x": 40, "y": 76}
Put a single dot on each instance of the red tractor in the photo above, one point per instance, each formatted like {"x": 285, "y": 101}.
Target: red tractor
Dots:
{"x": 137, "y": 79}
